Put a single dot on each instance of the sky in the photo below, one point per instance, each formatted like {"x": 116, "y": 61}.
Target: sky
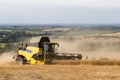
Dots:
{"x": 60, "y": 11}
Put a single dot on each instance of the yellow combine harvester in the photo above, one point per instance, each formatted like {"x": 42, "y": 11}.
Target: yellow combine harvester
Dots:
{"x": 41, "y": 52}
{"x": 31, "y": 55}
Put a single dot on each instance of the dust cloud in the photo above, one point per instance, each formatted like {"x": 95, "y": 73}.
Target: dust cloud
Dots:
{"x": 6, "y": 58}
{"x": 88, "y": 47}
{"x": 91, "y": 48}
{"x": 67, "y": 44}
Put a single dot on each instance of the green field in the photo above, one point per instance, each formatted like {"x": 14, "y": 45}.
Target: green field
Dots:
{"x": 2, "y": 45}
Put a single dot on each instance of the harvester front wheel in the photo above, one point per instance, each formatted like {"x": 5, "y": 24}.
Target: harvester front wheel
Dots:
{"x": 21, "y": 61}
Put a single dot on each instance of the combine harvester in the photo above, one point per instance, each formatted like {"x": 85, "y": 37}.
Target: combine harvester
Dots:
{"x": 42, "y": 52}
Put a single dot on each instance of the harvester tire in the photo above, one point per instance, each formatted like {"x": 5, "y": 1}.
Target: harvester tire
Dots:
{"x": 21, "y": 61}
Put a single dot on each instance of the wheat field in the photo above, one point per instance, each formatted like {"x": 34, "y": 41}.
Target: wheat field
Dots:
{"x": 59, "y": 72}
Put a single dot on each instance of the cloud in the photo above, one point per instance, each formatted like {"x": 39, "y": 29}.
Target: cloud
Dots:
{"x": 39, "y": 11}
{"x": 80, "y": 3}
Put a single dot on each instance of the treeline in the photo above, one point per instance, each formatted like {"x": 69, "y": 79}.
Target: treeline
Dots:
{"x": 8, "y": 37}
{"x": 15, "y": 36}
{"x": 8, "y": 47}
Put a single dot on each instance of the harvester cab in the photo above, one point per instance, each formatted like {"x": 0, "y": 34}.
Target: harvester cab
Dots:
{"x": 51, "y": 48}
{"x": 47, "y": 46}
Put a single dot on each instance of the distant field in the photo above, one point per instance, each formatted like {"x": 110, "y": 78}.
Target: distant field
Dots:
{"x": 6, "y": 30}
{"x": 2, "y": 45}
